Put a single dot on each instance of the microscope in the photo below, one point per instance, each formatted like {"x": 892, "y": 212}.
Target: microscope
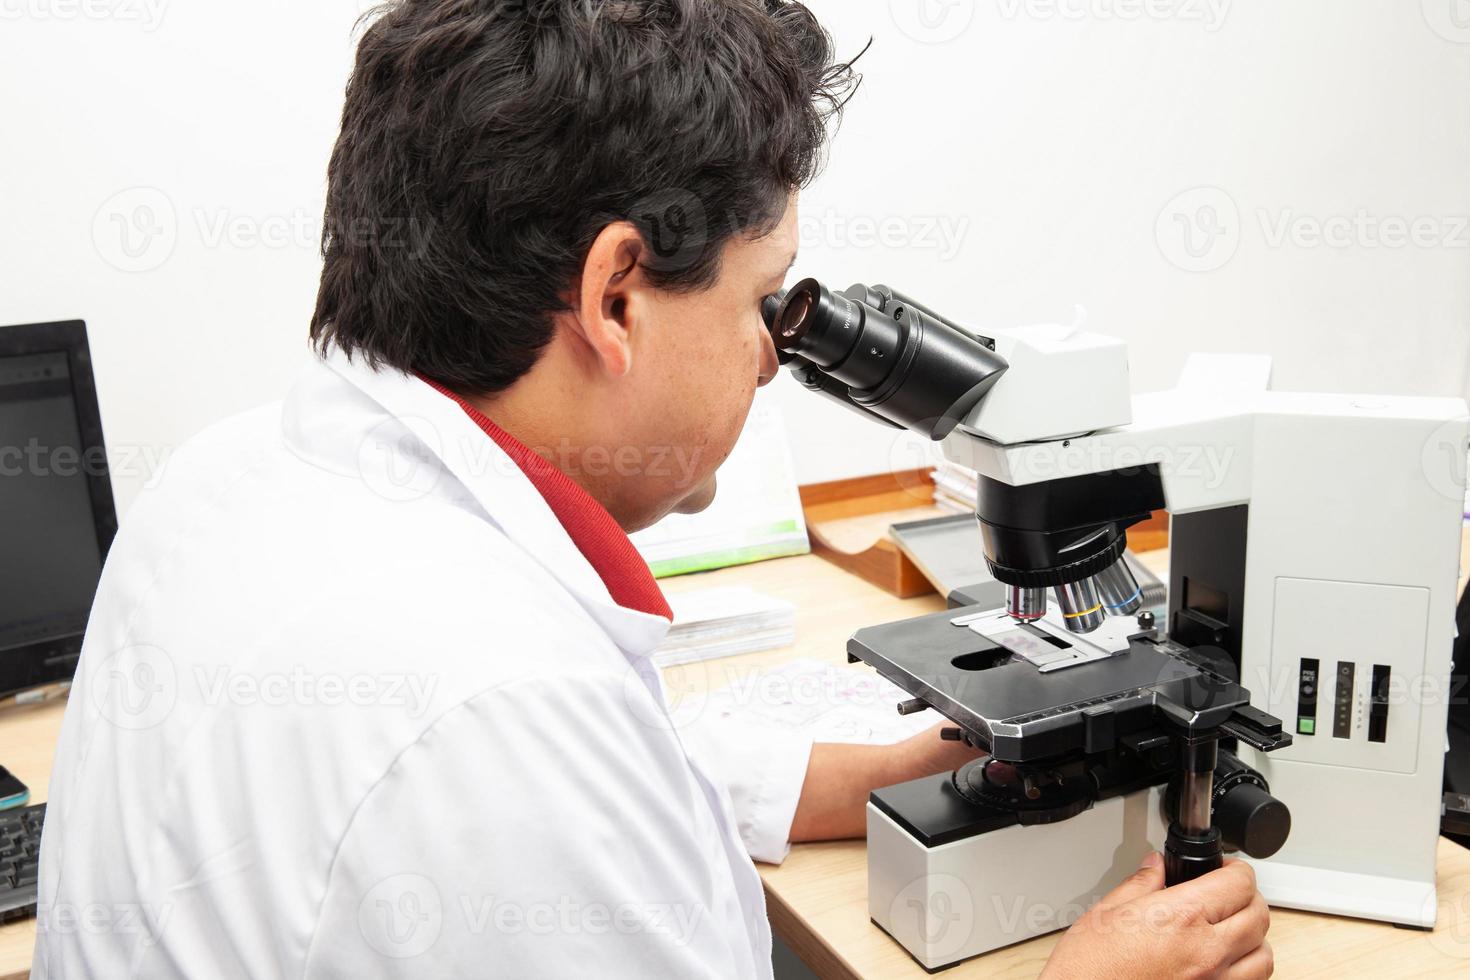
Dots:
{"x": 1292, "y": 706}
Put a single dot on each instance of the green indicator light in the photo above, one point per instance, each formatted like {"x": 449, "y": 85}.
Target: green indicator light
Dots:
{"x": 1306, "y": 726}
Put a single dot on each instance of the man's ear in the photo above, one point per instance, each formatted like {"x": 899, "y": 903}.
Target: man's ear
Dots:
{"x": 610, "y": 295}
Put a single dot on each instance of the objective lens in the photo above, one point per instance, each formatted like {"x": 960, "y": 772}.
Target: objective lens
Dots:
{"x": 1119, "y": 590}
{"x": 1027, "y": 605}
{"x": 1082, "y": 610}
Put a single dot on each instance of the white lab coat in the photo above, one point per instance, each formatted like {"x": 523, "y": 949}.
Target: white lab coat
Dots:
{"x": 352, "y": 704}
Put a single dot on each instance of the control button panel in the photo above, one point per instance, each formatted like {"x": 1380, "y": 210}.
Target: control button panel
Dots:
{"x": 1306, "y": 697}
{"x": 1342, "y": 702}
{"x": 1378, "y": 704}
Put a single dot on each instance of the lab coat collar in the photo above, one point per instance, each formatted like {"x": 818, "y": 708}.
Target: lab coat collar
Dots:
{"x": 592, "y": 529}
{"x": 437, "y": 426}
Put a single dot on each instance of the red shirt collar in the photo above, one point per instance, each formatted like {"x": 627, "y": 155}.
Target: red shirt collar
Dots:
{"x": 592, "y": 529}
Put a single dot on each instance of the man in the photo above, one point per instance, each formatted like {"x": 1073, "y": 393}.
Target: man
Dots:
{"x": 367, "y": 690}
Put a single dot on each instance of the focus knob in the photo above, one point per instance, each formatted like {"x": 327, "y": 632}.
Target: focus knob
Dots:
{"x": 1251, "y": 819}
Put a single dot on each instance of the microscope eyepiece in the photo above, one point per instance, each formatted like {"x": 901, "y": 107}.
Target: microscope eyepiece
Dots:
{"x": 880, "y": 353}
{"x": 795, "y": 318}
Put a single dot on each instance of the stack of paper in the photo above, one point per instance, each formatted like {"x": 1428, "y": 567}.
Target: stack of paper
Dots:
{"x": 723, "y": 622}
{"x": 955, "y": 487}
{"x": 827, "y": 702}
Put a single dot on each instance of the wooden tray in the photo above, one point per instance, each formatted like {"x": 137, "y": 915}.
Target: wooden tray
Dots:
{"x": 848, "y": 522}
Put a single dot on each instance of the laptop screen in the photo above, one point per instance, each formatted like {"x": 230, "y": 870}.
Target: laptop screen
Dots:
{"x": 48, "y": 536}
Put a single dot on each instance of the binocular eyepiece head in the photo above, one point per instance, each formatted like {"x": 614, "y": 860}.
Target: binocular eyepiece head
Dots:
{"x": 881, "y": 353}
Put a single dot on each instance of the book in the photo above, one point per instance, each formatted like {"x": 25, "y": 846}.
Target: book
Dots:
{"x": 756, "y": 512}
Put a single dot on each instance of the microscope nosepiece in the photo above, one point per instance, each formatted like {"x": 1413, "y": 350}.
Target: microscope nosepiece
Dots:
{"x": 1119, "y": 590}
{"x": 1082, "y": 610}
{"x": 1027, "y": 605}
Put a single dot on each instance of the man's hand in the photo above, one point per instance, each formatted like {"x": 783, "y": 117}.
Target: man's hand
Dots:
{"x": 1212, "y": 927}
{"x": 834, "y": 796}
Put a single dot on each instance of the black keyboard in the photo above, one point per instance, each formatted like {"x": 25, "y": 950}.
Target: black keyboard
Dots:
{"x": 20, "y": 855}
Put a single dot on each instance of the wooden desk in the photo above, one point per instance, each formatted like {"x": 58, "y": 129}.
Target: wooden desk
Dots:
{"x": 818, "y": 899}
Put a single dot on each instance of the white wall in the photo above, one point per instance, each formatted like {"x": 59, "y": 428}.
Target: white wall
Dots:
{"x": 1004, "y": 161}
{"x": 1055, "y": 138}
{"x": 211, "y": 121}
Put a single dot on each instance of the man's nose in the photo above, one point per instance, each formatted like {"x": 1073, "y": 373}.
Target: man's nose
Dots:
{"x": 769, "y": 364}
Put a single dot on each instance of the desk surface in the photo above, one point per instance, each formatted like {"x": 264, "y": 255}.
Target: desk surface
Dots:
{"x": 817, "y": 899}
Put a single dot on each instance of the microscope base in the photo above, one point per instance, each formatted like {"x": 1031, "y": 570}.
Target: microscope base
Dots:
{"x": 951, "y": 901}
{"x": 967, "y": 892}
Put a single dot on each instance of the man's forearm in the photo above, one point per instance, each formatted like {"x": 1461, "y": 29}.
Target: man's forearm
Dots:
{"x": 840, "y": 777}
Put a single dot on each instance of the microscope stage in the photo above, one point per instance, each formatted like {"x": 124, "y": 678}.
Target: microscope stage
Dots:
{"x": 1022, "y": 708}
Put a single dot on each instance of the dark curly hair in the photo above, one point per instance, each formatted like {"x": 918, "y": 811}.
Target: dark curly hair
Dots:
{"x": 486, "y": 143}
